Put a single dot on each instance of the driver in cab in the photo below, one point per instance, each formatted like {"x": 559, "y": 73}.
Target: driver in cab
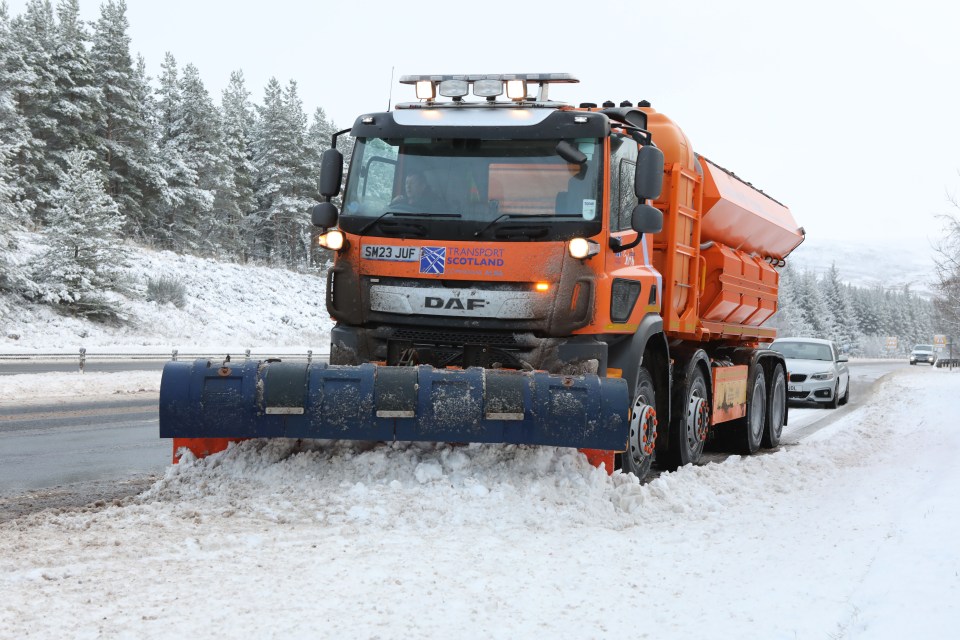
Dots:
{"x": 419, "y": 195}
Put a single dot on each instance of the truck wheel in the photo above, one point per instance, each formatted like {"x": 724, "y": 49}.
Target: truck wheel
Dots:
{"x": 638, "y": 457}
{"x": 776, "y": 408}
{"x": 747, "y": 432}
{"x": 690, "y": 421}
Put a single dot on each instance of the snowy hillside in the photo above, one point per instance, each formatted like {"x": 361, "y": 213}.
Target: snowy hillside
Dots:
{"x": 846, "y": 535}
{"x": 228, "y": 308}
{"x": 867, "y": 264}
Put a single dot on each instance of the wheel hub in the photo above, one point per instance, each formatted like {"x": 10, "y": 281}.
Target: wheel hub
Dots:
{"x": 698, "y": 418}
{"x": 643, "y": 431}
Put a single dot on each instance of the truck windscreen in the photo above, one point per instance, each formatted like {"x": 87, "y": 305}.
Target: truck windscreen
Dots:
{"x": 459, "y": 188}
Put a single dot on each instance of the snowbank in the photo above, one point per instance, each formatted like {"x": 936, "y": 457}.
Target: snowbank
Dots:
{"x": 228, "y": 308}
{"x": 34, "y": 387}
{"x": 848, "y": 534}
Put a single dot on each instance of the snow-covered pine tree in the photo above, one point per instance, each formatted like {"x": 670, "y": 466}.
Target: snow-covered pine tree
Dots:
{"x": 129, "y": 159}
{"x": 846, "y": 331}
{"x": 789, "y": 319}
{"x": 11, "y": 220}
{"x": 284, "y": 183}
{"x": 16, "y": 142}
{"x": 85, "y": 253}
{"x": 181, "y": 180}
{"x": 77, "y": 101}
{"x": 34, "y": 31}
{"x": 816, "y": 314}
{"x": 200, "y": 140}
{"x": 238, "y": 201}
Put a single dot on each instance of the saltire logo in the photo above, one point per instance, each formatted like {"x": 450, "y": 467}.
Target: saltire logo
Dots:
{"x": 432, "y": 259}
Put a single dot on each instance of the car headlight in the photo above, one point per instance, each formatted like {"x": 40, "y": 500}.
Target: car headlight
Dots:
{"x": 826, "y": 375}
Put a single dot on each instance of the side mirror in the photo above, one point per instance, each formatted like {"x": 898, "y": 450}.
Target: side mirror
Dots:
{"x": 324, "y": 215}
{"x": 646, "y": 219}
{"x": 648, "y": 181}
{"x": 331, "y": 173}
{"x": 843, "y": 358}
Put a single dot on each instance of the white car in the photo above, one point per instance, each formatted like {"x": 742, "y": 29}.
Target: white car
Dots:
{"x": 923, "y": 353}
{"x": 817, "y": 371}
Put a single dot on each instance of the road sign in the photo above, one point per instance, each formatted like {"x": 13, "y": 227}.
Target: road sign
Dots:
{"x": 939, "y": 342}
{"x": 892, "y": 343}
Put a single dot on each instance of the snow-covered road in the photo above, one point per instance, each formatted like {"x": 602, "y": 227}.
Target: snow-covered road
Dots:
{"x": 850, "y": 534}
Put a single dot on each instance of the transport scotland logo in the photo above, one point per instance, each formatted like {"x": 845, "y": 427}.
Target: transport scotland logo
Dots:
{"x": 432, "y": 259}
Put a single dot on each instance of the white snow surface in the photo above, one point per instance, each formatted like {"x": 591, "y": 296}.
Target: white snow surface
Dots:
{"x": 228, "y": 308}
{"x": 850, "y": 534}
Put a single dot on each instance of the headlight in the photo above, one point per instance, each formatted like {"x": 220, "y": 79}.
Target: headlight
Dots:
{"x": 581, "y": 248}
{"x": 826, "y": 375}
{"x": 333, "y": 239}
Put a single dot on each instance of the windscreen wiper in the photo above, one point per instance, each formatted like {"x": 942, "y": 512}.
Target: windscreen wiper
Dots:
{"x": 405, "y": 214}
{"x": 525, "y": 216}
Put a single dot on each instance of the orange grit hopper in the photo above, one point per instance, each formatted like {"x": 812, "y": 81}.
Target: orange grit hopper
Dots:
{"x": 722, "y": 239}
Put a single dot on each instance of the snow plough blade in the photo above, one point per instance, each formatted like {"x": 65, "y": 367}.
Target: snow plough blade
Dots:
{"x": 274, "y": 399}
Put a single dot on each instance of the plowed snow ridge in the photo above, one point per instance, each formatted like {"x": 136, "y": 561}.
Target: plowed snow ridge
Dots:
{"x": 336, "y": 540}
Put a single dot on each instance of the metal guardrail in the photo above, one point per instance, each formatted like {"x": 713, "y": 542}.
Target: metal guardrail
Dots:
{"x": 82, "y": 356}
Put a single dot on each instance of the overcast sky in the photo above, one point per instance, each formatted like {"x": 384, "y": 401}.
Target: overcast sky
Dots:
{"x": 844, "y": 111}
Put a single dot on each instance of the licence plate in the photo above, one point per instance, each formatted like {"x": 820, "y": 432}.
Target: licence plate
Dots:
{"x": 390, "y": 252}
{"x": 793, "y": 387}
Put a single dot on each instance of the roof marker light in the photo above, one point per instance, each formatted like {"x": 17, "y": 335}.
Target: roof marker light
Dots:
{"x": 426, "y": 90}
{"x": 517, "y": 89}
{"x": 542, "y": 286}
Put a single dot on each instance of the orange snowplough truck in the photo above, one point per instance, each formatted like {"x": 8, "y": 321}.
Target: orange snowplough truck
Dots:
{"x": 508, "y": 268}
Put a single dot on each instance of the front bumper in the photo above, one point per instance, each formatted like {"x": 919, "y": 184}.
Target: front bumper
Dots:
{"x": 442, "y": 347}
{"x": 922, "y": 358}
{"x": 811, "y": 391}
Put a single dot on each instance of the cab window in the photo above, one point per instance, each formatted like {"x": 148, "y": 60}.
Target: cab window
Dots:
{"x": 623, "y": 164}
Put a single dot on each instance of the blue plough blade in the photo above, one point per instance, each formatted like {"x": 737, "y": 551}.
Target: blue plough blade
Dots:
{"x": 380, "y": 403}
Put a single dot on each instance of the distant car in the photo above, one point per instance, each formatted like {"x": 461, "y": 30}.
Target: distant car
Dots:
{"x": 817, "y": 371}
{"x": 923, "y": 353}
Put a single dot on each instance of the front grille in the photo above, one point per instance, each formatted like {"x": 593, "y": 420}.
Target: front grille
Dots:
{"x": 798, "y": 377}
{"x": 796, "y": 394}
{"x": 454, "y": 338}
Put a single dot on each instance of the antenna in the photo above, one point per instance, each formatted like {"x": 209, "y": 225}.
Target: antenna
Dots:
{"x": 390, "y": 97}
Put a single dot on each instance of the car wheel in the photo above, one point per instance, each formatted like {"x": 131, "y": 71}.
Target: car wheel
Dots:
{"x": 846, "y": 395}
{"x": 835, "y": 400}
{"x": 776, "y": 408}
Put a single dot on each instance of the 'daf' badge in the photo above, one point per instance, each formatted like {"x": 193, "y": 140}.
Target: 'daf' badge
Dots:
{"x": 432, "y": 259}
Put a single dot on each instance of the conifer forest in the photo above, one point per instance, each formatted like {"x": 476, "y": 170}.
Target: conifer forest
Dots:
{"x": 97, "y": 158}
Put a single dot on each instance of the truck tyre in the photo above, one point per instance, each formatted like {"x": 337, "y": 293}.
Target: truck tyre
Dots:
{"x": 776, "y": 408}
{"x": 638, "y": 457}
{"x": 690, "y": 421}
{"x": 748, "y": 431}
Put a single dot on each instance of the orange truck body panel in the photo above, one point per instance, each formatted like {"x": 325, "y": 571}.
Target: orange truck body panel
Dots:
{"x": 719, "y": 239}
{"x": 729, "y": 393}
